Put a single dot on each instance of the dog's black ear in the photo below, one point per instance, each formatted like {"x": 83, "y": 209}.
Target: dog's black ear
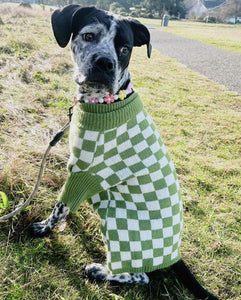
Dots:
{"x": 141, "y": 35}
{"x": 64, "y": 21}
{"x": 62, "y": 24}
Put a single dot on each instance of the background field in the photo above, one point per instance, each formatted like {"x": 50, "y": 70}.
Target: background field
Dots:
{"x": 200, "y": 124}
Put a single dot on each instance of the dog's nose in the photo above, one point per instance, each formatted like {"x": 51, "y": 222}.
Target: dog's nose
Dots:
{"x": 105, "y": 64}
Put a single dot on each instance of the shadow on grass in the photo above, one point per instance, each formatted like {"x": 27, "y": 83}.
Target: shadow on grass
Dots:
{"x": 60, "y": 260}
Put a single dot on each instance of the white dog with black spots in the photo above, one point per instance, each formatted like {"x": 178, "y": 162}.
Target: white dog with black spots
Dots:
{"x": 101, "y": 47}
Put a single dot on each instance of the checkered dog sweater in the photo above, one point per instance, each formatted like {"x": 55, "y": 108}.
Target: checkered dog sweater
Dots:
{"x": 120, "y": 164}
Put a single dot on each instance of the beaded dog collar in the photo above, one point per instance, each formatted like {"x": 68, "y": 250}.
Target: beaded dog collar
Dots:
{"x": 122, "y": 95}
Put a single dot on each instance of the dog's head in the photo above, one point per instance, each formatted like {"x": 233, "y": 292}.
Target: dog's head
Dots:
{"x": 101, "y": 46}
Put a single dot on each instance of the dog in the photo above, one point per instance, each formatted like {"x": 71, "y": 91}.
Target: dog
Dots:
{"x": 117, "y": 158}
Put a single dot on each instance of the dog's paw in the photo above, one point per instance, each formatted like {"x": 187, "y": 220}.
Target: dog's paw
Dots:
{"x": 136, "y": 278}
{"x": 39, "y": 229}
{"x": 97, "y": 272}
{"x": 101, "y": 273}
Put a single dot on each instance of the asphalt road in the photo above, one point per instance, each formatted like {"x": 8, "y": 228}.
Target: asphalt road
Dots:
{"x": 221, "y": 66}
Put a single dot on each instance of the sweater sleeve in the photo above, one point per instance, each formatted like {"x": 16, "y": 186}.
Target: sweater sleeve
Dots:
{"x": 79, "y": 187}
{"x": 94, "y": 163}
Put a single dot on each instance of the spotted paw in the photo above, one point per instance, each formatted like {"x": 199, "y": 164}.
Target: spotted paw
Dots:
{"x": 136, "y": 278}
{"x": 97, "y": 272}
{"x": 39, "y": 229}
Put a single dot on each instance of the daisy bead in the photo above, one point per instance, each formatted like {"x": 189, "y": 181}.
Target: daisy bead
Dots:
{"x": 122, "y": 95}
{"x": 109, "y": 99}
{"x": 129, "y": 88}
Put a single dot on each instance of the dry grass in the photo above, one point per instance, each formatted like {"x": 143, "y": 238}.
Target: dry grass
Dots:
{"x": 10, "y": 11}
{"x": 27, "y": 112}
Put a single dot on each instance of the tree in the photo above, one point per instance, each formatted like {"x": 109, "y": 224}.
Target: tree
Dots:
{"x": 232, "y": 9}
{"x": 103, "y": 4}
{"x": 117, "y": 8}
{"x": 173, "y": 7}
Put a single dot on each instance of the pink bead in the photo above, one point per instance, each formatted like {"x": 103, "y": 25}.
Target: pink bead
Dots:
{"x": 109, "y": 99}
{"x": 129, "y": 88}
{"x": 93, "y": 100}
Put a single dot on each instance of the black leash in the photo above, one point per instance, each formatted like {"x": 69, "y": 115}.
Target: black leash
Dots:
{"x": 52, "y": 143}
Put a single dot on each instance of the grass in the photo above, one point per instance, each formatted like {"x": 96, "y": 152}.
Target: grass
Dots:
{"x": 224, "y": 36}
{"x": 200, "y": 124}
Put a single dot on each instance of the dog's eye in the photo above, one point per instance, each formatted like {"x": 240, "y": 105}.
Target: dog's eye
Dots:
{"x": 124, "y": 50}
{"x": 88, "y": 37}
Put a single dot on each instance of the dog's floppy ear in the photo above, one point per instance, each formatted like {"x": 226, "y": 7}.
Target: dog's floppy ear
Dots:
{"x": 63, "y": 21}
{"x": 62, "y": 24}
{"x": 141, "y": 35}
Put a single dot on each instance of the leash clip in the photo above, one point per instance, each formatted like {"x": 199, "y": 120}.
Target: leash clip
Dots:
{"x": 61, "y": 132}
{"x": 70, "y": 113}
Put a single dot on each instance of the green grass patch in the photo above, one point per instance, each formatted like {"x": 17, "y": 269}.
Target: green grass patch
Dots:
{"x": 4, "y": 203}
{"x": 199, "y": 122}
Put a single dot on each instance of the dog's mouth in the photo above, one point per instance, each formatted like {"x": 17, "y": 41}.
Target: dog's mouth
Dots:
{"x": 95, "y": 82}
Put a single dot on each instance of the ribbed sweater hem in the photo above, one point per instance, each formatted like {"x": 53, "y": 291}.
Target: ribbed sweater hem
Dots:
{"x": 79, "y": 187}
{"x": 106, "y": 116}
{"x": 147, "y": 269}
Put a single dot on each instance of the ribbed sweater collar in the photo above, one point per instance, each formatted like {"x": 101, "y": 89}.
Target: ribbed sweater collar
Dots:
{"x": 101, "y": 117}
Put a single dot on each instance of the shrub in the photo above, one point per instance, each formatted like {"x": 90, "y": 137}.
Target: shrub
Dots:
{"x": 117, "y": 8}
{"x": 25, "y": 5}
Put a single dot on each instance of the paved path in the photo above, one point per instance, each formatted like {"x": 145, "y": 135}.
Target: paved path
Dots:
{"x": 221, "y": 66}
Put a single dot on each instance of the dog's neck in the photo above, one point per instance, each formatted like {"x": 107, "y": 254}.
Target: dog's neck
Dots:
{"x": 124, "y": 92}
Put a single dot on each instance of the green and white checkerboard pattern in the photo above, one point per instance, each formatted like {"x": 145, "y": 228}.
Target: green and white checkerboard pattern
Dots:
{"x": 138, "y": 197}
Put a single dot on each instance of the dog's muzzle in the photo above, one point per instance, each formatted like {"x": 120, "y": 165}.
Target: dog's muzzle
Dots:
{"x": 105, "y": 64}
{"x": 103, "y": 71}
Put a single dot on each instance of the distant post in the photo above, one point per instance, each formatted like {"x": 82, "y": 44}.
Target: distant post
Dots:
{"x": 166, "y": 20}
{"x": 163, "y": 13}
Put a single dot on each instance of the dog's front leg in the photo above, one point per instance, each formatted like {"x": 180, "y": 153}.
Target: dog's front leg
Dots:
{"x": 43, "y": 228}
{"x": 100, "y": 272}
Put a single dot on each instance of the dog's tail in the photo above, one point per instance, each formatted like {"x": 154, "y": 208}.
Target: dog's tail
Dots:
{"x": 189, "y": 281}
